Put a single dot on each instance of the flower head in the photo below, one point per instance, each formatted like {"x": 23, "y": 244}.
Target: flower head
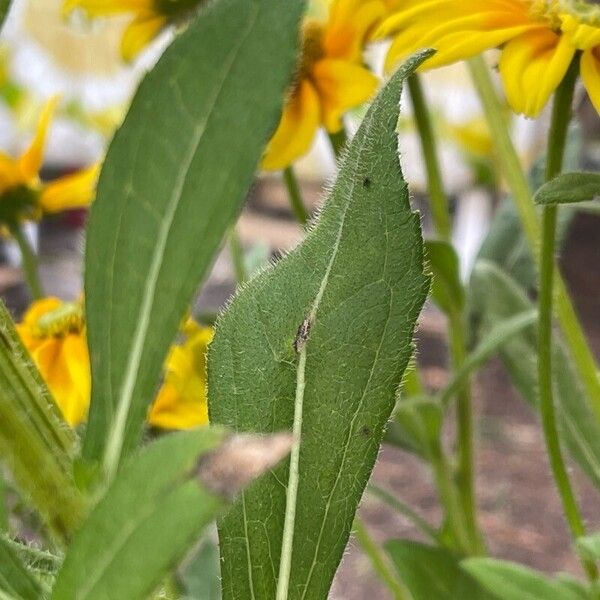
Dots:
{"x": 24, "y": 196}
{"x": 330, "y": 78}
{"x": 539, "y": 40}
{"x": 54, "y": 334}
{"x": 181, "y": 401}
{"x": 150, "y": 17}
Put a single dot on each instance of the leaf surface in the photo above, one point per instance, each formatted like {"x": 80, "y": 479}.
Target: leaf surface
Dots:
{"x": 350, "y": 295}
{"x": 174, "y": 180}
{"x": 569, "y": 188}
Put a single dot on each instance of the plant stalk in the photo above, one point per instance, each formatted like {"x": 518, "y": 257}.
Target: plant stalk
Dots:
{"x": 28, "y": 261}
{"x": 438, "y": 201}
{"x": 338, "y": 141}
{"x": 237, "y": 256}
{"x": 295, "y": 196}
{"x": 517, "y": 182}
{"x": 561, "y": 115}
{"x": 440, "y": 211}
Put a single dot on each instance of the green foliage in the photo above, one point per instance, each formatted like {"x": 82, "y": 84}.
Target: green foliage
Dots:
{"x": 148, "y": 519}
{"x": 590, "y": 546}
{"x": 446, "y": 289}
{"x": 355, "y": 288}
{"x": 511, "y": 581}
{"x": 4, "y": 10}
{"x": 495, "y": 297}
{"x": 173, "y": 181}
{"x": 35, "y": 443}
{"x": 16, "y": 580}
{"x": 432, "y": 573}
{"x": 569, "y": 188}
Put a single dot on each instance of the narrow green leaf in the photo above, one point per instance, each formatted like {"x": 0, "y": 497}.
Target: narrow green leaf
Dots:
{"x": 569, "y": 188}
{"x": 319, "y": 343}
{"x": 4, "y": 10}
{"x": 590, "y": 546}
{"x": 174, "y": 179}
{"x": 420, "y": 420}
{"x": 495, "y": 297}
{"x": 511, "y": 581}
{"x": 500, "y": 333}
{"x": 156, "y": 509}
{"x": 446, "y": 289}
{"x": 35, "y": 443}
{"x": 15, "y": 579}
{"x": 433, "y": 573}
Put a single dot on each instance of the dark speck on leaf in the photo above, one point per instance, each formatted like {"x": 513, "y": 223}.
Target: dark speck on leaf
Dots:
{"x": 365, "y": 431}
{"x": 367, "y": 182}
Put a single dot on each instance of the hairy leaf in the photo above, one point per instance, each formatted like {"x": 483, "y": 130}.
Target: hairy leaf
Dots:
{"x": 174, "y": 180}
{"x": 16, "y": 581}
{"x": 337, "y": 315}
{"x": 446, "y": 290}
{"x": 569, "y": 188}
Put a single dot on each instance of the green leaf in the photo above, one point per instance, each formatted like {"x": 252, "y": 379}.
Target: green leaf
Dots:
{"x": 338, "y": 313}
{"x": 433, "y": 573}
{"x": 35, "y": 443}
{"x": 174, "y": 180}
{"x": 494, "y": 297}
{"x": 511, "y": 581}
{"x": 200, "y": 580}
{"x": 16, "y": 580}
{"x": 156, "y": 509}
{"x": 499, "y": 334}
{"x": 446, "y": 289}
{"x": 4, "y": 10}
{"x": 420, "y": 420}
{"x": 569, "y": 188}
{"x": 590, "y": 546}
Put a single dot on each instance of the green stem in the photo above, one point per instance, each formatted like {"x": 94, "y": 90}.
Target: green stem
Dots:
{"x": 509, "y": 162}
{"x": 338, "y": 141}
{"x": 379, "y": 561}
{"x": 237, "y": 256}
{"x": 439, "y": 204}
{"x": 561, "y": 115}
{"x": 28, "y": 261}
{"x": 295, "y": 196}
{"x": 404, "y": 509}
{"x": 440, "y": 211}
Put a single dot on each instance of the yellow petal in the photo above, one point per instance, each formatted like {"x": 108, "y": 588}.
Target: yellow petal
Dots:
{"x": 10, "y": 173}
{"x": 297, "y": 128}
{"x": 456, "y": 29}
{"x": 171, "y": 411}
{"x": 582, "y": 36}
{"x": 590, "y": 74}
{"x": 98, "y": 8}
{"x": 140, "y": 33}
{"x": 350, "y": 22}
{"x": 532, "y": 66}
{"x": 341, "y": 86}
{"x": 31, "y": 162}
{"x": 77, "y": 363}
{"x": 71, "y": 191}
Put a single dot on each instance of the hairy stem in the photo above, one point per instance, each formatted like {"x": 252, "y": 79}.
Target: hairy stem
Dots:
{"x": 295, "y": 196}
{"x": 28, "y": 261}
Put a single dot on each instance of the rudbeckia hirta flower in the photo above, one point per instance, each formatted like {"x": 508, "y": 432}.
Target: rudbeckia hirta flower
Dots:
{"x": 150, "y": 18}
{"x": 54, "y": 334}
{"x": 24, "y": 196}
{"x": 181, "y": 402}
{"x": 539, "y": 40}
{"x": 330, "y": 79}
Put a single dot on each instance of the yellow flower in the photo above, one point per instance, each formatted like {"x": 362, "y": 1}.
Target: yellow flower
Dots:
{"x": 150, "y": 18}
{"x": 539, "y": 39}
{"x": 23, "y": 195}
{"x": 330, "y": 79}
{"x": 181, "y": 401}
{"x": 54, "y": 334}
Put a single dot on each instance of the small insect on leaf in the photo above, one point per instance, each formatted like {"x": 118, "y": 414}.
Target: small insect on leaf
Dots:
{"x": 302, "y": 335}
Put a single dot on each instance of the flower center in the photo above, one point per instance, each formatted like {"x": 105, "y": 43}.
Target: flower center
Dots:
{"x": 312, "y": 47}
{"x": 67, "y": 318}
